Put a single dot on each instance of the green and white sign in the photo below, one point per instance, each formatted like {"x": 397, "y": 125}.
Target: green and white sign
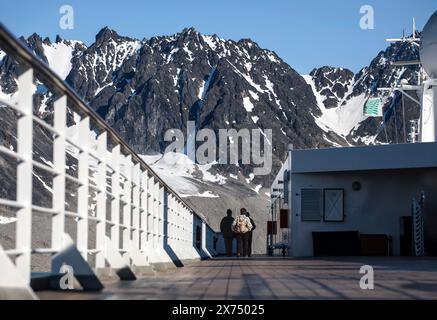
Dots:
{"x": 373, "y": 107}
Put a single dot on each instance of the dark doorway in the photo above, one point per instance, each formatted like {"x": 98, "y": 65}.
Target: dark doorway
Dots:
{"x": 198, "y": 237}
{"x": 406, "y": 237}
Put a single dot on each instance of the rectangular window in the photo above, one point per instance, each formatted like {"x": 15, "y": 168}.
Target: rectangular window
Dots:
{"x": 333, "y": 205}
{"x": 311, "y": 204}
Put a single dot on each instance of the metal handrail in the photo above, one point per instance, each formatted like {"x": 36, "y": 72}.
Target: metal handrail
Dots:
{"x": 14, "y": 48}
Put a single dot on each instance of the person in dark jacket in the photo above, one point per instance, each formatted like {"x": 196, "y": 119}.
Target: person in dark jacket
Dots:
{"x": 226, "y": 230}
{"x": 250, "y": 234}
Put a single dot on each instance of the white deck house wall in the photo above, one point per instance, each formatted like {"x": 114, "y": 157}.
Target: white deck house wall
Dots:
{"x": 390, "y": 176}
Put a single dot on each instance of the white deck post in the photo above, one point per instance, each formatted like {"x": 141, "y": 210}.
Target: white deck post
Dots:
{"x": 150, "y": 209}
{"x": 189, "y": 227}
{"x": 101, "y": 200}
{"x": 155, "y": 214}
{"x": 161, "y": 216}
{"x": 180, "y": 224}
{"x": 24, "y": 173}
{"x": 82, "y": 192}
{"x": 177, "y": 223}
{"x": 204, "y": 244}
{"x": 58, "y": 199}
{"x": 143, "y": 211}
{"x": 127, "y": 188}
{"x": 184, "y": 226}
{"x": 174, "y": 220}
{"x": 136, "y": 207}
{"x": 170, "y": 200}
{"x": 192, "y": 236}
{"x": 115, "y": 202}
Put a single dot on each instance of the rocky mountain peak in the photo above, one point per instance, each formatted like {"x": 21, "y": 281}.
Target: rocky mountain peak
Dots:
{"x": 332, "y": 83}
{"x": 106, "y": 34}
{"x": 191, "y": 31}
{"x": 35, "y": 43}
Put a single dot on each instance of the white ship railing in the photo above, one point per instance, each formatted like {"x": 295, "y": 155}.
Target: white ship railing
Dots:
{"x": 134, "y": 209}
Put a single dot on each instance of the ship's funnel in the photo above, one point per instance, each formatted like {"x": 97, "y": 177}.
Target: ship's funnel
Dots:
{"x": 428, "y": 47}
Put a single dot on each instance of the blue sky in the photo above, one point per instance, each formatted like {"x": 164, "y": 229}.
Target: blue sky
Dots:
{"x": 306, "y": 34}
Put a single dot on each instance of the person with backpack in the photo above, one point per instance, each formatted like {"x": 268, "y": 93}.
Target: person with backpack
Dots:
{"x": 242, "y": 227}
{"x": 226, "y": 230}
{"x": 249, "y": 248}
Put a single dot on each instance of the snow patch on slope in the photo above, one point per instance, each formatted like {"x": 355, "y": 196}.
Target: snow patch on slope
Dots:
{"x": 248, "y": 105}
{"x": 180, "y": 172}
{"x": 59, "y": 56}
{"x": 343, "y": 119}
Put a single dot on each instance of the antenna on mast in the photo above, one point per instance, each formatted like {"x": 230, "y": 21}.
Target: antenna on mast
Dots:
{"x": 401, "y": 86}
{"x": 414, "y": 28}
{"x": 413, "y": 39}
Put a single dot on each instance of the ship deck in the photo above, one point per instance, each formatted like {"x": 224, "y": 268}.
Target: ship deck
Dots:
{"x": 277, "y": 278}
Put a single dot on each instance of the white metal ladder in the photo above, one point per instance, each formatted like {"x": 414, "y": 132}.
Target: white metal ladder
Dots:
{"x": 418, "y": 225}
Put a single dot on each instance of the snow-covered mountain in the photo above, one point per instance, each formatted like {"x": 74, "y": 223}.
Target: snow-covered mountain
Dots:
{"x": 144, "y": 87}
{"x": 220, "y": 84}
{"x": 341, "y": 96}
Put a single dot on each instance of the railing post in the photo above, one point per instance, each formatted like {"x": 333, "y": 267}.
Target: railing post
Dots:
{"x": 59, "y": 148}
{"x": 169, "y": 217}
{"x": 161, "y": 216}
{"x": 127, "y": 189}
{"x": 184, "y": 226}
{"x": 181, "y": 225}
{"x": 144, "y": 211}
{"x": 177, "y": 223}
{"x": 115, "y": 202}
{"x": 24, "y": 173}
{"x": 101, "y": 200}
{"x": 174, "y": 219}
{"x": 204, "y": 240}
{"x": 136, "y": 207}
{"x": 83, "y": 190}
{"x": 187, "y": 226}
{"x": 191, "y": 234}
{"x": 155, "y": 214}
{"x": 150, "y": 186}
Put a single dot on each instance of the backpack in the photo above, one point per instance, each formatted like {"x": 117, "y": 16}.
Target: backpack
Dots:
{"x": 241, "y": 225}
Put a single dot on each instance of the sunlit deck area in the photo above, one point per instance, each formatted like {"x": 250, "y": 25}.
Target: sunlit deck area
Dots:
{"x": 277, "y": 278}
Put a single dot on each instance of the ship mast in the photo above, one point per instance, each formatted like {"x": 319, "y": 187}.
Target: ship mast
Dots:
{"x": 426, "y": 87}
